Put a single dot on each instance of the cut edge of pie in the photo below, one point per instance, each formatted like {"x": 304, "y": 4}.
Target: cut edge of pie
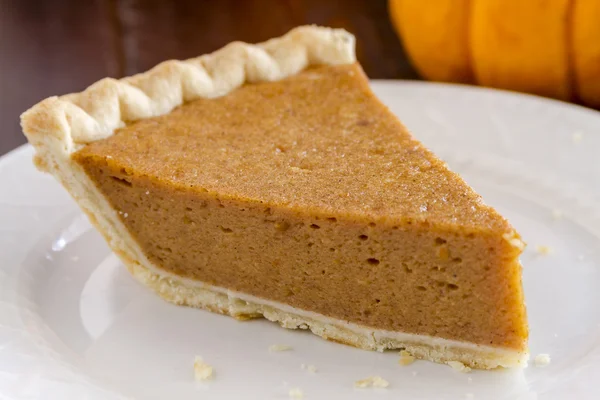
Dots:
{"x": 59, "y": 126}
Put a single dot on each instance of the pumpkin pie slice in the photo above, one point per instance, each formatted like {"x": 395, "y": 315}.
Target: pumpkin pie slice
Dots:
{"x": 269, "y": 181}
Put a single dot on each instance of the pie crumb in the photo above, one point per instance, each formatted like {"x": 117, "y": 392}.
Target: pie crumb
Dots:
{"x": 372, "y": 381}
{"x": 557, "y": 214}
{"x": 405, "y": 358}
{"x": 296, "y": 393}
{"x": 458, "y": 366}
{"x": 541, "y": 360}
{"x": 513, "y": 239}
{"x": 202, "y": 371}
{"x": 279, "y": 347}
{"x": 543, "y": 249}
{"x": 310, "y": 368}
{"x": 577, "y": 137}
{"x": 469, "y": 396}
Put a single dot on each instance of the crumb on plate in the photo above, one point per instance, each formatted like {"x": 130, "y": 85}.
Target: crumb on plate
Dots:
{"x": 202, "y": 371}
{"x": 310, "y": 368}
{"x": 543, "y": 249}
{"x": 541, "y": 360}
{"x": 372, "y": 381}
{"x": 296, "y": 393}
{"x": 279, "y": 347}
{"x": 406, "y": 358}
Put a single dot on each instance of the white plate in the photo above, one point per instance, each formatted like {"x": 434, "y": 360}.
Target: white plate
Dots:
{"x": 75, "y": 325}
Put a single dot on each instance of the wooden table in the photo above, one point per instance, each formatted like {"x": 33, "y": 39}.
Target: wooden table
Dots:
{"x": 60, "y": 46}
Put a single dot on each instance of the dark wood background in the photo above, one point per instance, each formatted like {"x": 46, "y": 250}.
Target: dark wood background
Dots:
{"x": 54, "y": 47}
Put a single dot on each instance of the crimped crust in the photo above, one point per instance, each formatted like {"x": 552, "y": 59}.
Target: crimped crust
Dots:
{"x": 59, "y": 126}
{"x": 73, "y": 120}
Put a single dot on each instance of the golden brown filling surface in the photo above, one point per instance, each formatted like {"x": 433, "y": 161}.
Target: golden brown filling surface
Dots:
{"x": 308, "y": 191}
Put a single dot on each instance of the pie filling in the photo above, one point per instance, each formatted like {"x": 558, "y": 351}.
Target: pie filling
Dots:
{"x": 308, "y": 192}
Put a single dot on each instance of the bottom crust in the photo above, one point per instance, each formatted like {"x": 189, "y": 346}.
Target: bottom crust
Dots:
{"x": 187, "y": 292}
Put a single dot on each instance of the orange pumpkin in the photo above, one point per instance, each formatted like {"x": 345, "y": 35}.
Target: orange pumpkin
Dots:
{"x": 545, "y": 47}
